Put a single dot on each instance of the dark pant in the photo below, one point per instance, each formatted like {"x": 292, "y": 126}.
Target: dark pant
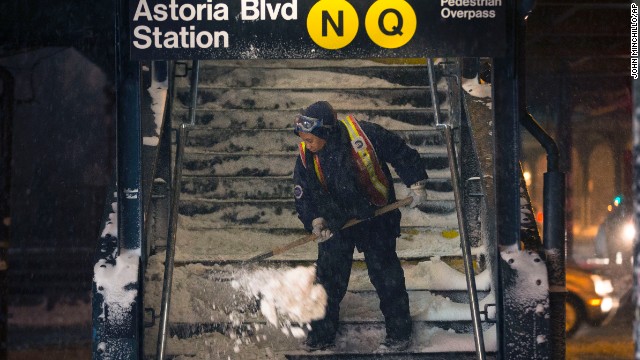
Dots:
{"x": 335, "y": 258}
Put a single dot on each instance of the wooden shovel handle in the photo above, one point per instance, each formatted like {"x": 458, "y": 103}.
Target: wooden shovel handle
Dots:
{"x": 312, "y": 237}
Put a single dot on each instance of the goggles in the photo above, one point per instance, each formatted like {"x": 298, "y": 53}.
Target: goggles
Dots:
{"x": 307, "y": 124}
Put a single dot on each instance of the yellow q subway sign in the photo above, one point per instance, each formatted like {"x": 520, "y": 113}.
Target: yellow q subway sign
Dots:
{"x": 333, "y": 24}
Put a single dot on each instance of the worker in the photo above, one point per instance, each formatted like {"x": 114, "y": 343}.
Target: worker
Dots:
{"x": 342, "y": 174}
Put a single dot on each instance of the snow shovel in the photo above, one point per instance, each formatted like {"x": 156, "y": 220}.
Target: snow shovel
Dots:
{"x": 312, "y": 237}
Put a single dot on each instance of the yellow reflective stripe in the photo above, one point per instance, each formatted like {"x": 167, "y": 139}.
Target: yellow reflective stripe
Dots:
{"x": 316, "y": 164}
{"x": 365, "y": 155}
{"x": 303, "y": 154}
{"x": 353, "y": 133}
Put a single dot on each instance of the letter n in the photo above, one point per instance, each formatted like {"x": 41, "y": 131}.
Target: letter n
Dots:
{"x": 338, "y": 28}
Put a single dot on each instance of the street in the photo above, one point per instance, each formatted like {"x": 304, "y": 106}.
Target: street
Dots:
{"x": 612, "y": 341}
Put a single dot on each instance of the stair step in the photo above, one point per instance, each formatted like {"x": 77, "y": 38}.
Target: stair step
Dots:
{"x": 274, "y": 99}
{"x": 407, "y": 355}
{"x": 279, "y": 213}
{"x": 392, "y": 118}
{"x": 199, "y": 164}
{"x": 311, "y": 64}
{"x": 187, "y": 330}
{"x": 356, "y": 341}
{"x": 277, "y": 187}
{"x": 200, "y": 243}
{"x": 289, "y": 148}
{"x": 284, "y": 140}
{"x": 314, "y": 74}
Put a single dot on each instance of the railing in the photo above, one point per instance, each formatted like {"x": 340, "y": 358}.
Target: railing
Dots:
{"x": 181, "y": 139}
{"x": 464, "y": 239}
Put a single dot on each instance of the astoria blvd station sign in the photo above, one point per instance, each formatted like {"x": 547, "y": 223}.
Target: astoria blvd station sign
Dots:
{"x": 280, "y": 29}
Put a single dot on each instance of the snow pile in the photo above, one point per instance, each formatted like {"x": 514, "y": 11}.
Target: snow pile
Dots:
{"x": 475, "y": 88}
{"x": 289, "y": 299}
{"x": 435, "y": 274}
{"x": 112, "y": 279}
{"x": 113, "y": 276}
{"x": 112, "y": 282}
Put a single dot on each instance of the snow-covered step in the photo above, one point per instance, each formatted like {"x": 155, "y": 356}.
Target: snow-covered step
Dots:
{"x": 284, "y": 140}
{"x": 436, "y": 293}
{"x": 394, "y": 118}
{"x": 187, "y": 330}
{"x": 275, "y": 98}
{"x": 216, "y": 314}
{"x": 352, "y": 342}
{"x": 202, "y": 214}
{"x": 279, "y": 99}
{"x": 355, "y": 309}
{"x": 311, "y": 64}
{"x": 208, "y": 245}
{"x": 222, "y": 164}
{"x": 272, "y": 213}
{"x": 277, "y": 187}
{"x": 374, "y": 75}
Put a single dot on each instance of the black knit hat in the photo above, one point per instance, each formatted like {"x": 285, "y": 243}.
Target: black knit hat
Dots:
{"x": 322, "y": 110}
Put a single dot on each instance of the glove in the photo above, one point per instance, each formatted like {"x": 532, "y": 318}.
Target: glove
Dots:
{"x": 321, "y": 230}
{"x": 418, "y": 192}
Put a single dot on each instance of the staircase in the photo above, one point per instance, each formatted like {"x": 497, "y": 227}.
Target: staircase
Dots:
{"x": 237, "y": 202}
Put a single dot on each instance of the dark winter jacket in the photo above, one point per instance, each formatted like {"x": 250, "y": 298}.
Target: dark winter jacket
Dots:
{"x": 343, "y": 198}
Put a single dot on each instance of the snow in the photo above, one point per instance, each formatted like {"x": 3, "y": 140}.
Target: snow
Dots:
{"x": 475, "y": 88}
{"x": 158, "y": 92}
{"x": 532, "y": 285}
{"x": 286, "y": 296}
{"x": 228, "y": 294}
{"x": 113, "y": 278}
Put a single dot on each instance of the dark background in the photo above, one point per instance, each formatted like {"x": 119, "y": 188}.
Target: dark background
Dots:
{"x": 58, "y": 141}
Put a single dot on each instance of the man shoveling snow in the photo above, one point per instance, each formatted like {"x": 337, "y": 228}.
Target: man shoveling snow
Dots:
{"x": 342, "y": 174}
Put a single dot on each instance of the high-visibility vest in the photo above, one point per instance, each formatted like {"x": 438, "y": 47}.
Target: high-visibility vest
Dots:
{"x": 370, "y": 174}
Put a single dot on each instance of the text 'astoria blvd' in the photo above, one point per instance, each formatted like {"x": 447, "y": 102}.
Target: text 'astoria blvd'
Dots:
{"x": 187, "y": 37}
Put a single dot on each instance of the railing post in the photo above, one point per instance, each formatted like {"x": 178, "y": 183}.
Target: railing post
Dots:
{"x": 116, "y": 335}
{"x": 465, "y": 245}
{"x": 195, "y": 74}
{"x": 554, "y": 189}
{"x": 506, "y": 133}
{"x": 181, "y": 137}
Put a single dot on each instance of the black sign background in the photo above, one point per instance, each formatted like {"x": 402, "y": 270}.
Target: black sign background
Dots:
{"x": 282, "y": 39}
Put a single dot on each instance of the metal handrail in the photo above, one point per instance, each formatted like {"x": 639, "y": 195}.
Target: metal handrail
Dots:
{"x": 464, "y": 239}
{"x": 464, "y": 244}
{"x": 181, "y": 137}
{"x": 434, "y": 95}
{"x": 181, "y": 140}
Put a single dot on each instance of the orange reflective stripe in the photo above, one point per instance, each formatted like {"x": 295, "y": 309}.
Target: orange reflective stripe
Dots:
{"x": 367, "y": 161}
{"x": 319, "y": 173}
